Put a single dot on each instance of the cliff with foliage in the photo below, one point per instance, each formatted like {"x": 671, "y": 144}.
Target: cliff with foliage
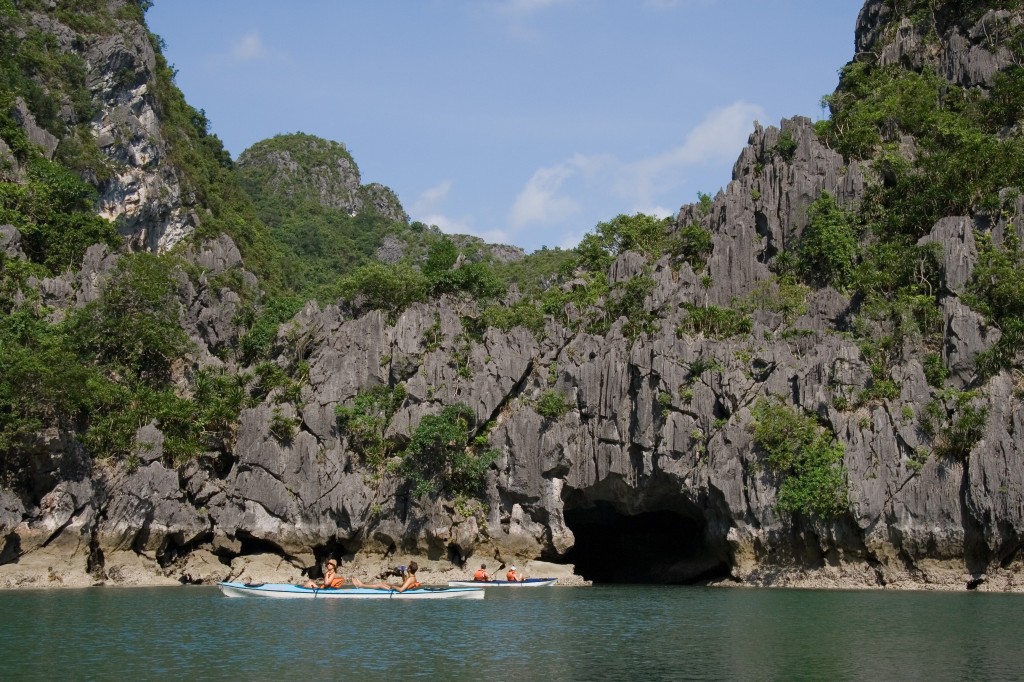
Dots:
{"x": 212, "y": 368}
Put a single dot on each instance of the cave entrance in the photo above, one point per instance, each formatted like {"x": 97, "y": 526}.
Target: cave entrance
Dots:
{"x": 655, "y": 547}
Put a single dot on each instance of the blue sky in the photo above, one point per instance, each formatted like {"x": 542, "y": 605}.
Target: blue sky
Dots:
{"x": 523, "y": 122}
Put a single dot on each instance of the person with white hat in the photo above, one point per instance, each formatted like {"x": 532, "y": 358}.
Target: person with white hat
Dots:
{"x": 513, "y": 576}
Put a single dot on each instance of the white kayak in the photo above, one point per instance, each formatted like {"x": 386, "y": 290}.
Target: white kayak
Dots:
{"x": 286, "y": 591}
{"x": 529, "y": 582}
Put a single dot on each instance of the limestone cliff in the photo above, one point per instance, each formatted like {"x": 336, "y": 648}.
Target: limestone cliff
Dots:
{"x": 653, "y": 473}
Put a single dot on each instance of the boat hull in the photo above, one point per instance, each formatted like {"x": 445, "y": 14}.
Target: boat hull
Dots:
{"x": 529, "y": 582}
{"x": 286, "y": 591}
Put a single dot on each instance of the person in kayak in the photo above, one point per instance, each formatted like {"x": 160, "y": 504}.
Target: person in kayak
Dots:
{"x": 332, "y": 580}
{"x": 482, "y": 575}
{"x": 513, "y": 576}
{"x": 410, "y": 582}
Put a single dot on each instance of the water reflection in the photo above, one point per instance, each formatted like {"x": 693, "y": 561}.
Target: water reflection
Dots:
{"x": 600, "y": 633}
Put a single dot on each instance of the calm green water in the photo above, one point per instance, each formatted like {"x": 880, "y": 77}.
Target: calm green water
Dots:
{"x": 598, "y": 633}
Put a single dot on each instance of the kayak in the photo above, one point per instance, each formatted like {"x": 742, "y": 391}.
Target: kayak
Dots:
{"x": 286, "y": 591}
{"x": 529, "y": 582}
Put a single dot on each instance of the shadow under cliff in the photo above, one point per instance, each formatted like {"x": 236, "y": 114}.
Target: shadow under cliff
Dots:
{"x": 653, "y": 547}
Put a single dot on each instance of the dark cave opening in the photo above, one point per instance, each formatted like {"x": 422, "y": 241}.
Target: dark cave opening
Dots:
{"x": 656, "y": 547}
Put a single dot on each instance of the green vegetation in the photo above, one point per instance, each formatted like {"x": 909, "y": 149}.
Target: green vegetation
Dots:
{"x": 714, "y": 322}
{"x": 553, "y": 405}
{"x": 786, "y": 146}
{"x": 997, "y": 291}
{"x": 954, "y": 424}
{"x": 828, "y": 246}
{"x": 376, "y": 286}
{"x": 962, "y": 162}
{"x": 445, "y": 453}
{"x": 105, "y": 371}
{"x": 646, "y": 235}
{"x": 782, "y": 295}
{"x": 964, "y": 157}
{"x": 135, "y": 325}
{"x": 55, "y": 213}
{"x": 442, "y": 454}
{"x": 805, "y": 456}
{"x": 626, "y": 300}
{"x": 523, "y": 314}
{"x": 366, "y": 420}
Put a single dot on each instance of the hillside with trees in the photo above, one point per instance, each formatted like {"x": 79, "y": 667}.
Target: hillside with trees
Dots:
{"x": 212, "y": 367}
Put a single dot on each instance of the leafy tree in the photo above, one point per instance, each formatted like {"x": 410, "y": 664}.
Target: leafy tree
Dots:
{"x": 43, "y": 385}
{"x": 366, "y": 420}
{"x": 263, "y": 324}
{"x": 642, "y": 233}
{"x": 477, "y": 280}
{"x": 441, "y": 257}
{"x": 376, "y": 286}
{"x": 440, "y": 455}
{"x": 806, "y": 457}
{"x": 523, "y": 314}
{"x": 692, "y": 244}
{"x": 997, "y": 291}
{"x": 54, "y": 212}
{"x": 828, "y": 247}
{"x": 135, "y": 325}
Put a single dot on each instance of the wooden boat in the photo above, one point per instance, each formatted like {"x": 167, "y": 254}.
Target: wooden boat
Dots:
{"x": 529, "y": 582}
{"x": 286, "y": 591}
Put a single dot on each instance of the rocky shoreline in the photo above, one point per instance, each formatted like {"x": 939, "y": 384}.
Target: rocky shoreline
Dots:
{"x": 128, "y": 569}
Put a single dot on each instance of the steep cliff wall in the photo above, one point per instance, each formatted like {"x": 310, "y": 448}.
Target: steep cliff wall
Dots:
{"x": 652, "y": 472}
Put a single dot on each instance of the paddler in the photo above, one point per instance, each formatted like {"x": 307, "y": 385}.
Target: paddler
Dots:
{"x": 513, "y": 576}
{"x": 332, "y": 580}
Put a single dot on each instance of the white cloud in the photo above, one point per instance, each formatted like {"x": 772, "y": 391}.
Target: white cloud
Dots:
{"x": 427, "y": 209}
{"x": 541, "y": 202}
{"x": 431, "y": 198}
{"x": 249, "y": 48}
{"x": 557, "y": 194}
{"x": 656, "y": 211}
{"x": 666, "y": 4}
{"x": 570, "y": 240}
{"x": 715, "y": 140}
{"x": 521, "y": 7}
{"x": 465, "y": 226}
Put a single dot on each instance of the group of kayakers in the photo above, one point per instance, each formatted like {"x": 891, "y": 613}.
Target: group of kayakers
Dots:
{"x": 333, "y": 581}
{"x": 482, "y": 576}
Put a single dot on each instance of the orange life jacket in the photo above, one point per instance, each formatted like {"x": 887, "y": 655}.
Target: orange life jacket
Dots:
{"x": 511, "y": 576}
{"x": 415, "y": 585}
{"x": 481, "y": 575}
{"x": 334, "y": 583}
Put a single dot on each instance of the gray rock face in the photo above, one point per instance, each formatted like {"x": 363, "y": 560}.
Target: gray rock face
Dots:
{"x": 46, "y": 141}
{"x": 656, "y": 451}
{"x": 383, "y": 201}
{"x": 143, "y": 192}
{"x": 764, "y": 209}
{"x": 965, "y": 53}
{"x": 10, "y": 242}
